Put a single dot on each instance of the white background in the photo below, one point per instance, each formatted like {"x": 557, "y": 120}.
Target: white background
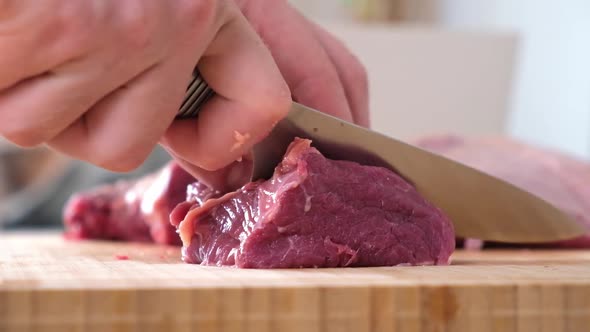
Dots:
{"x": 549, "y": 96}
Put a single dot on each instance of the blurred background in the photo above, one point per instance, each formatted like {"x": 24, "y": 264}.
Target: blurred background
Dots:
{"x": 519, "y": 68}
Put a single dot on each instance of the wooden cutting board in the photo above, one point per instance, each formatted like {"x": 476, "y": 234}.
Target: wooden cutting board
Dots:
{"x": 48, "y": 284}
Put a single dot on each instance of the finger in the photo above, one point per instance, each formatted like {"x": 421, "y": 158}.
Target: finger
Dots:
{"x": 37, "y": 109}
{"x": 304, "y": 63}
{"x": 351, "y": 73}
{"x": 251, "y": 97}
{"x": 120, "y": 131}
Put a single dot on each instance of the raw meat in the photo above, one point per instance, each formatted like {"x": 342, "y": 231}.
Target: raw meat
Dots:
{"x": 555, "y": 177}
{"x": 316, "y": 212}
{"x": 131, "y": 211}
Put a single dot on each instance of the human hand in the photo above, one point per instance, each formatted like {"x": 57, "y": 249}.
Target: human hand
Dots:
{"x": 320, "y": 71}
{"x": 102, "y": 80}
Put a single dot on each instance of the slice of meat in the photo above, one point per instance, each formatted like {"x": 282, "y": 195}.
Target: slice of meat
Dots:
{"x": 316, "y": 212}
{"x": 553, "y": 176}
{"x": 130, "y": 210}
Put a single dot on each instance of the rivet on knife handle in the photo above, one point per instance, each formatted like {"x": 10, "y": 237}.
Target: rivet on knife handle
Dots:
{"x": 197, "y": 94}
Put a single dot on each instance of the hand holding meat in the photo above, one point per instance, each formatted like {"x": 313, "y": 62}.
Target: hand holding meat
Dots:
{"x": 102, "y": 80}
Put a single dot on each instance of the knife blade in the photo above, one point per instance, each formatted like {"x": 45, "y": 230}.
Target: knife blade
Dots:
{"x": 479, "y": 205}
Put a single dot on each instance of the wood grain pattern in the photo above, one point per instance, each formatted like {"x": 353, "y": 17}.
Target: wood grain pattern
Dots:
{"x": 48, "y": 284}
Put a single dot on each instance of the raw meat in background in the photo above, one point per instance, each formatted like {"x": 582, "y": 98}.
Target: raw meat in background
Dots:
{"x": 316, "y": 212}
{"x": 555, "y": 177}
{"x": 129, "y": 210}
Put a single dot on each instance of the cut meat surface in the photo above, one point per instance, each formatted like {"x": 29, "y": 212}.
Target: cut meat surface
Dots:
{"x": 555, "y": 177}
{"x": 130, "y": 211}
{"x": 316, "y": 212}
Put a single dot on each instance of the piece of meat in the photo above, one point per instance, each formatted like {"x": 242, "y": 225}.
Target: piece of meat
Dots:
{"x": 553, "y": 176}
{"x": 316, "y": 212}
{"x": 130, "y": 210}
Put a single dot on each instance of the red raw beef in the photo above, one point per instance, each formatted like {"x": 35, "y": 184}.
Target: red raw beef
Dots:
{"x": 129, "y": 210}
{"x": 316, "y": 212}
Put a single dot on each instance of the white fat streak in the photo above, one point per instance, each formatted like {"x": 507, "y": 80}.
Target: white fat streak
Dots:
{"x": 308, "y": 198}
{"x": 233, "y": 252}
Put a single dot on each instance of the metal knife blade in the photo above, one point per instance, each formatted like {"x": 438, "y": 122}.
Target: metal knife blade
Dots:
{"x": 479, "y": 205}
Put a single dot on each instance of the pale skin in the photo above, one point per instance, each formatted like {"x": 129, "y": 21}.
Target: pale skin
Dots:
{"x": 102, "y": 80}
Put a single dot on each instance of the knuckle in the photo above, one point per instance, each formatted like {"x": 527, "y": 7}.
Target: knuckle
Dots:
{"x": 120, "y": 160}
{"x": 199, "y": 13}
{"x": 136, "y": 28}
{"x": 24, "y": 132}
{"x": 279, "y": 106}
{"x": 274, "y": 105}
{"x": 23, "y": 137}
{"x": 73, "y": 24}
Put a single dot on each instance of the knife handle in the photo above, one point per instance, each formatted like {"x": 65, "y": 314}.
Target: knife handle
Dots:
{"x": 197, "y": 94}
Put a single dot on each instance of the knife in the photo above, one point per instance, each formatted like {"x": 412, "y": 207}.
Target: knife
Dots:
{"x": 479, "y": 205}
